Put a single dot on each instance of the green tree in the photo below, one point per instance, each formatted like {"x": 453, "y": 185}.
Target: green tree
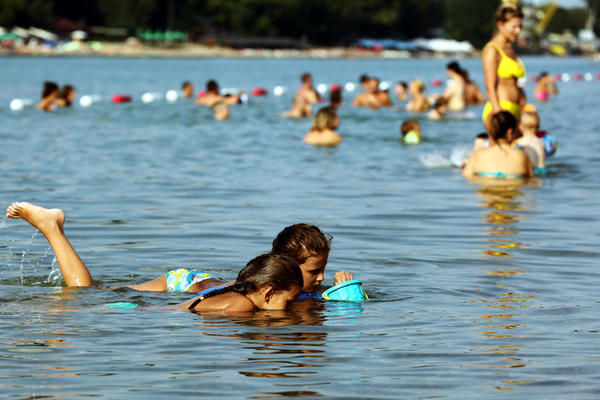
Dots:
{"x": 470, "y": 20}
{"x": 26, "y": 13}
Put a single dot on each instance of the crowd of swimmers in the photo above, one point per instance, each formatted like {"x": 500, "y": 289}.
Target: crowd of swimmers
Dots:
{"x": 294, "y": 268}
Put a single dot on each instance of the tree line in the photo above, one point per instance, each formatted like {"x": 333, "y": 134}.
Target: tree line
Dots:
{"x": 315, "y": 22}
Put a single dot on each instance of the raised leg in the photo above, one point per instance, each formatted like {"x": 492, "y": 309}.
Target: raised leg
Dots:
{"x": 50, "y": 222}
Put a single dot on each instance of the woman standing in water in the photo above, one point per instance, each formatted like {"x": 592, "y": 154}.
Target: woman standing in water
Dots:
{"x": 501, "y": 67}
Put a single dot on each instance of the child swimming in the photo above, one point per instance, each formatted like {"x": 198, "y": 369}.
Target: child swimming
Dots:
{"x": 411, "y": 131}
{"x": 267, "y": 282}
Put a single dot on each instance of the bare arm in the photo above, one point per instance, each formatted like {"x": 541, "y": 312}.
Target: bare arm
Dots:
{"x": 490, "y": 67}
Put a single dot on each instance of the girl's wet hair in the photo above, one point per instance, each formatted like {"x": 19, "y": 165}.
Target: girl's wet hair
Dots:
{"x": 65, "y": 92}
{"x": 276, "y": 270}
{"x": 325, "y": 119}
{"x": 508, "y": 10}
{"x": 301, "y": 241}
{"x": 500, "y": 124}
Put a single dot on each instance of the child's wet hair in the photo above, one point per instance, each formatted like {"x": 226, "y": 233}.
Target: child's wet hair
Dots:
{"x": 409, "y": 125}
{"x": 301, "y": 241}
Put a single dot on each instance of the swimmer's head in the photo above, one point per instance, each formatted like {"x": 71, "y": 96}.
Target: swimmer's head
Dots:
{"x": 326, "y": 119}
{"x": 417, "y": 86}
{"x": 306, "y": 78}
{"x": 410, "y": 125}
{"x": 67, "y": 93}
{"x": 502, "y": 126}
{"x": 270, "y": 281}
{"x": 49, "y": 88}
{"x": 509, "y": 19}
{"x": 188, "y": 89}
{"x": 220, "y": 112}
{"x": 335, "y": 97}
{"x": 364, "y": 78}
{"x": 212, "y": 86}
{"x": 530, "y": 121}
{"x": 309, "y": 247}
{"x": 454, "y": 69}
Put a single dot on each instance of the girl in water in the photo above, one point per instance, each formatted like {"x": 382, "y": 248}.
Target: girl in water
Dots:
{"x": 501, "y": 67}
{"x": 267, "y": 282}
{"x": 65, "y": 97}
{"x": 499, "y": 160}
{"x": 323, "y": 133}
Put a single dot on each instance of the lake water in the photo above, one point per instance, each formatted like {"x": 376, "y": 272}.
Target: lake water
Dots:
{"x": 476, "y": 292}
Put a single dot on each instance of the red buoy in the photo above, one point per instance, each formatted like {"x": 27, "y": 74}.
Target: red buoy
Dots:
{"x": 578, "y": 77}
{"x": 534, "y": 78}
{"x": 558, "y": 77}
{"x": 436, "y": 83}
{"x": 259, "y": 91}
{"x": 121, "y": 98}
{"x": 335, "y": 87}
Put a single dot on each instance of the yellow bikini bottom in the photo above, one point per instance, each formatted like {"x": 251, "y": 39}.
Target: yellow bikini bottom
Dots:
{"x": 509, "y": 106}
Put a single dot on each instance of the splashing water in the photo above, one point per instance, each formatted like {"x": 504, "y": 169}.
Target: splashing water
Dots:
{"x": 453, "y": 159}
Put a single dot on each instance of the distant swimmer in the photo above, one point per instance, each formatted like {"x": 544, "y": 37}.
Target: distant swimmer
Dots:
{"x": 411, "y": 132}
{"x": 545, "y": 87}
{"x": 220, "y": 111}
{"x": 499, "y": 160}
{"x": 502, "y": 69}
{"x": 335, "y": 97}
{"x": 418, "y": 102}
{"x": 305, "y": 97}
{"x": 371, "y": 97}
{"x": 323, "y": 131}
{"x": 187, "y": 89}
{"x": 49, "y": 93}
{"x": 438, "y": 109}
{"x": 212, "y": 96}
{"x": 456, "y": 92}
{"x": 401, "y": 91}
{"x": 65, "y": 97}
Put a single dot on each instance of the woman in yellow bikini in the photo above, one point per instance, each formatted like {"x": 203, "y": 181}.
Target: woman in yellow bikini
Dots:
{"x": 501, "y": 67}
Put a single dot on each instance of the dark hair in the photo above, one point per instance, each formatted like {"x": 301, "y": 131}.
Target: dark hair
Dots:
{"x": 64, "y": 94}
{"x": 500, "y": 124}
{"x": 403, "y": 84}
{"x": 301, "y": 241}
{"x": 186, "y": 84}
{"x": 454, "y": 66}
{"x": 482, "y": 135}
{"x": 363, "y": 78}
{"x": 212, "y": 86}
{"x": 335, "y": 97}
{"x": 278, "y": 271}
{"x": 543, "y": 74}
{"x": 408, "y": 126}
{"x": 305, "y": 77}
{"x": 49, "y": 88}
{"x": 508, "y": 11}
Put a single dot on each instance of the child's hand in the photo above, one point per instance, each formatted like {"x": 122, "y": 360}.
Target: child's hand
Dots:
{"x": 342, "y": 276}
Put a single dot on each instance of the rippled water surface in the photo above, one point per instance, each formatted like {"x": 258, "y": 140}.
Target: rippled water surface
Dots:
{"x": 477, "y": 291}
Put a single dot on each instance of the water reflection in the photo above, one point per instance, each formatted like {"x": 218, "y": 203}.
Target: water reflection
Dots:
{"x": 507, "y": 206}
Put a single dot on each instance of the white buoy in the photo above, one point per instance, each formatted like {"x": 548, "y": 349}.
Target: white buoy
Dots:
{"x": 521, "y": 82}
{"x": 385, "y": 85}
{"x": 279, "y": 90}
{"x": 19, "y": 104}
{"x": 350, "y": 87}
{"x": 244, "y": 98}
{"x": 322, "y": 88}
{"x": 565, "y": 77}
{"x": 89, "y": 99}
{"x": 150, "y": 97}
{"x": 588, "y": 76}
{"x": 172, "y": 96}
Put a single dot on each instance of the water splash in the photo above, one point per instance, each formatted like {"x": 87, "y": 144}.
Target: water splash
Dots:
{"x": 453, "y": 159}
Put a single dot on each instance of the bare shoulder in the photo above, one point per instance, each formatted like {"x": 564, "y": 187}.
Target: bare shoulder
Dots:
{"x": 230, "y": 302}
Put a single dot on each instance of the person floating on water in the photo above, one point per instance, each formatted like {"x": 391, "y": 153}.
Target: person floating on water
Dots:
{"x": 499, "y": 160}
{"x": 267, "y": 282}
{"x": 323, "y": 131}
{"x": 187, "y": 89}
{"x": 305, "y": 97}
{"x": 545, "y": 87}
{"x": 502, "y": 69}
{"x": 49, "y": 93}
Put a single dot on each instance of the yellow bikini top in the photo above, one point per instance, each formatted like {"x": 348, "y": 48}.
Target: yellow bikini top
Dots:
{"x": 509, "y": 68}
